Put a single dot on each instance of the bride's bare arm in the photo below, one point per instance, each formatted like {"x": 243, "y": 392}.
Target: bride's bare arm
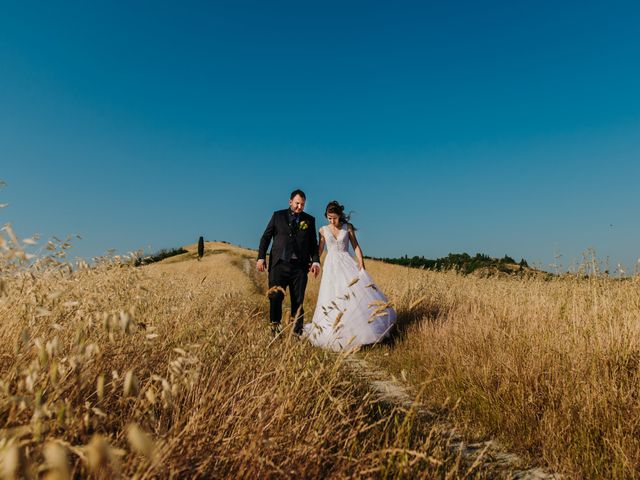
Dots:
{"x": 356, "y": 246}
{"x": 320, "y": 244}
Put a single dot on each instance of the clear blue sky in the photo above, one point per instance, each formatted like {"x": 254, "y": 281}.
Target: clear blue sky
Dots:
{"x": 496, "y": 127}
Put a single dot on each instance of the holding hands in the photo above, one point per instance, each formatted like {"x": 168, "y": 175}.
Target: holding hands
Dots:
{"x": 315, "y": 269}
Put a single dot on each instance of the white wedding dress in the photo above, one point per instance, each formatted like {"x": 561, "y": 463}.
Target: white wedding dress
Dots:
{"x": 351, "y": 310}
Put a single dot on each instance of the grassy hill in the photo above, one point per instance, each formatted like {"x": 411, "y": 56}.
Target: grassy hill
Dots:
{"x": 168, "y": 370}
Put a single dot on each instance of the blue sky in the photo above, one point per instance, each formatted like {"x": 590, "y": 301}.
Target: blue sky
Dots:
{"x": 496, "y": 127}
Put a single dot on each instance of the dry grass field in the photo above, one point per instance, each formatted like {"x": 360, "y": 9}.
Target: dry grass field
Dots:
{"x": 169, "y": 371}
{"x": 551, "y": 368}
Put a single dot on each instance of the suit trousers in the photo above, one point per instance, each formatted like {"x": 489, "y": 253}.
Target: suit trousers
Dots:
{"x": 292, "y": 275}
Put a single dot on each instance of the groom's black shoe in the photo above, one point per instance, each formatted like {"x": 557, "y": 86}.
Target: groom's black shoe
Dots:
{"x": 298, "y": 328}
{"x": 276, "y": 329}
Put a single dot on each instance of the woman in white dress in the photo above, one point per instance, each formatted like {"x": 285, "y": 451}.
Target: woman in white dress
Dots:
{"x": 351, "y": 310}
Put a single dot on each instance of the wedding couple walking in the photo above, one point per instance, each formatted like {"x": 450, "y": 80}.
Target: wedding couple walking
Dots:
{"x": 351, "y": 310}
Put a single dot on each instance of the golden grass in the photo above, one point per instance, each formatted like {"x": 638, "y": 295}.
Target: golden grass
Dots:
{"x": 550, "y": 368}
{"x": 170, "y": 371}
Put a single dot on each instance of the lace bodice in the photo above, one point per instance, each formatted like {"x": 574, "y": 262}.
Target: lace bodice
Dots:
{"x": 339, "y": 243}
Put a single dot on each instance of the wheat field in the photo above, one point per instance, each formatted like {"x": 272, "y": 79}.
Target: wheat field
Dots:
{"x": 548, "y": 367}
{"x": 169, "y": 371}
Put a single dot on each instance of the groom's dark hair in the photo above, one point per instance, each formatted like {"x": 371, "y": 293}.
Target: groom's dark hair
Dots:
{"x": 297, "y": 192}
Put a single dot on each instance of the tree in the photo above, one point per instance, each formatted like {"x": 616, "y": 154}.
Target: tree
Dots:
{"x": 200, "y": 248}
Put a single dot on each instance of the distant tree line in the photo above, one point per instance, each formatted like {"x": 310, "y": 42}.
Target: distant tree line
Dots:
{"x": 159, "y": 255}
{"x": 462, "y": 262}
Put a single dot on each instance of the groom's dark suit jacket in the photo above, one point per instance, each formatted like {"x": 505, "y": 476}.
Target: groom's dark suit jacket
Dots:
{"x": 290, "y": 239}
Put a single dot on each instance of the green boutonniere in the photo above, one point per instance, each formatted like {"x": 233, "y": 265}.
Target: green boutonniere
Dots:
{"x": 303, "y": 225}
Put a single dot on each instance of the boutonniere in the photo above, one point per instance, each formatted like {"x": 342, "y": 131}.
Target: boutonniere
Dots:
{"x": 296, "y": 227}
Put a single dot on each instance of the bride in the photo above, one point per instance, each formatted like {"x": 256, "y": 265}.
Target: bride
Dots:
{"x": 351, "y": 310}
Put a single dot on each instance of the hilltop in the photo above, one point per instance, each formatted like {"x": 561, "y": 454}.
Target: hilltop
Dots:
{"x": 480, "y": 265}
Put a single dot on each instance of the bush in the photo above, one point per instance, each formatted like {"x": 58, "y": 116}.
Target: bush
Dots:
{"x": 159, "y": 255}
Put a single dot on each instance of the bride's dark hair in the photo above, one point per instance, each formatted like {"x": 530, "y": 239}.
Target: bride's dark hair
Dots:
{"x": 337, "y": 209}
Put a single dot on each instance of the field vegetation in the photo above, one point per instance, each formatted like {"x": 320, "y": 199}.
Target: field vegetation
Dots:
{"x": 169, "y": 371}
{"x": 480, "y": 264}
{"x": 157, "y": 256}
{"x": 548, "y": 366}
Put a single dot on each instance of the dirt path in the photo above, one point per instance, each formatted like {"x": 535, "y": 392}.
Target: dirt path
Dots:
{"x": 488, "y": 456}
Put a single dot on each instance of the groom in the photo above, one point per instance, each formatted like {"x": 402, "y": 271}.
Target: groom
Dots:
{"x": 293, "y": 255}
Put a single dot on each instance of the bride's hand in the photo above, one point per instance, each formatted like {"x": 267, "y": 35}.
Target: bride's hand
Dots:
{"x": 361, "y": 266}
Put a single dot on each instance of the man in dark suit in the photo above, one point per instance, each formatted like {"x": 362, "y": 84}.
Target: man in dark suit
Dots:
{"x": 294, "y": 253}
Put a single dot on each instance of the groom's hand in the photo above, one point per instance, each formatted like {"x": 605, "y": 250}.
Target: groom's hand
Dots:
{"x": 260, "y": 265}
{"x": 315, "y": 270}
